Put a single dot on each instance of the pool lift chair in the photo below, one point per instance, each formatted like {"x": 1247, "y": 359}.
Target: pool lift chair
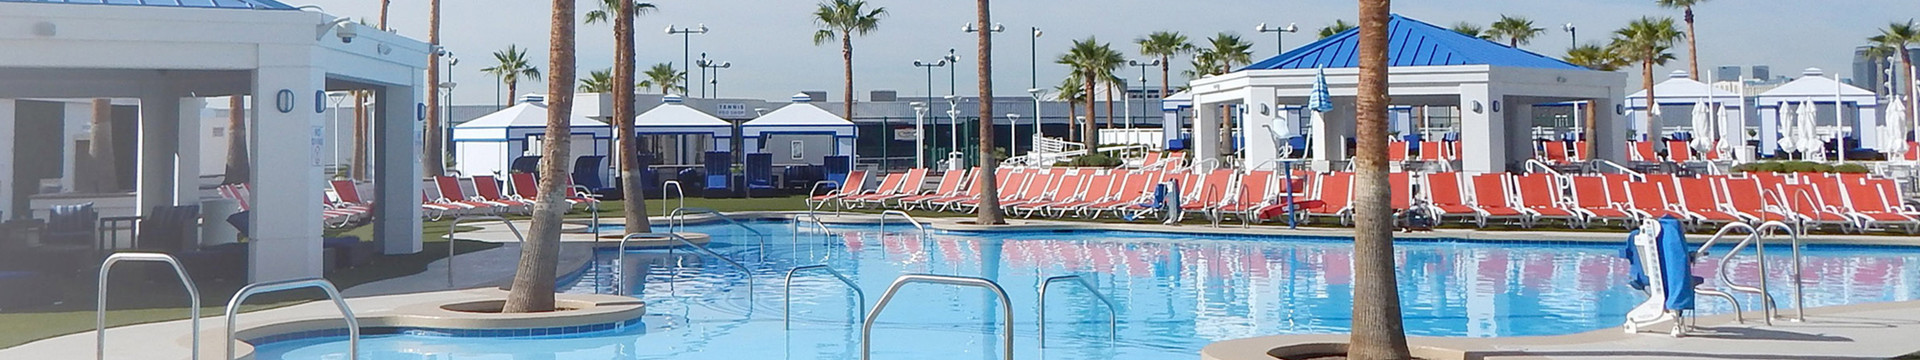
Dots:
{"x": 1660, "y": 267}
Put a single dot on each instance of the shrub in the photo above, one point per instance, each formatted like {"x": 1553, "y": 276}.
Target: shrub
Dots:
{"x": 1093, "y": 160}
{"x": 1850, "y": 169}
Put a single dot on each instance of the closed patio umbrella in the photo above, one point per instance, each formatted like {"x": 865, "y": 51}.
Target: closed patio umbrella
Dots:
{"x": 1894, "y": 135}
{"x": 1733, "y": 136}
{"x": 1807, "y": 136}
{"x": 1786, "y": 129}
{"x": 1702, "y": 128}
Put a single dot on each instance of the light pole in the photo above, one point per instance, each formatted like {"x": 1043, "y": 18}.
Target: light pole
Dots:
{"x": 715, "y": 66}
{"x": 929, "y": 70}
{"x": 953, "y": 131}
{"x": 1033, "y": 61}
{"x": 686, "y": 47}
{"x": 951, "y": 58}
{"x": 1143, "y": 89}
{"x": 1572, "y": 35}
{"x": 1013, "y": 142}
{"x": 919, "y": 134}
{"x": 702, "y": 64}
{"x": 1037, "y": 134}
{"x": 1279, "y": 43}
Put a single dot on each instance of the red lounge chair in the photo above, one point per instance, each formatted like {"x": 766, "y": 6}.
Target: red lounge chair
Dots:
{"x": 526, "y": 188}
{"x": 1869, "y": 207}
{"x": 488, "y": 189}
{"x": 1678, "y": 151}
{"x": 1445, "y": 199}
{"x": 889, "y": 186}
{"x": 1805, "y": 204}
{"x": 1492, "y": 200}
{"x": 435, "y": 211}
{"x": 1133, "y": 189}
{"x": 451, "y": 193}
{"x": 1593, "y": 199}
{"x": 1255, "y": 193}
{"x": 1402, "y": 186}
{"x": 1700, "y": 201}
{"x": 909, "y": 186}
{"x": 1579, "y": 151}
{"x": 856, "y": 182}
{"x": 950, "y": 184}
{"x": 1642, "y": 151}
{"x": 1555, "y": 152}
{"x": 1009, "y": 190}
{"x": 1094, "y": 188}
{"x": 1649, "y": 201}
{"x": 1334, "y": 195}
{"x": 1540, "y": 198}
{"x": 1207, "y": 191}
{"x": 1001, "y": 176}
{"x": 1397, "y": 151}
{"x": 1745, "y": 197}
{"x": 1067, "y": 187}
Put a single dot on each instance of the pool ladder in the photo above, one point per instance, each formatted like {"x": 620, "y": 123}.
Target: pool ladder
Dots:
{"x": 346, "y": 313}
{"x": 1756, "y": 237}
{"x": 1112, "y": 313}
{"x": 677, "y": 220}
{"x": 100, "y": 306}
{"x": 902, "y": 214}
{"x": 620, "y": 260}
{"x": 1006, "y": 306}
{"x": 787, "y": 310}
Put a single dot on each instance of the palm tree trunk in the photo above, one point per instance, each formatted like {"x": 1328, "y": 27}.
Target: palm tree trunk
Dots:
{"x": 1377, "y": 329}
{"x": 1693, "y": 56}
{"x": 1109, "y": 106}
{"x": 1653, "y": 122}
{"x": 1165, "y": 64}
{"x": 533, "y": 281}
{"x": 431, "y": 153}
{"x": 384, "y": 4}
{"x": 632, "y": 188}
{"x": 1087, "y": 135}
{"x": 513, "y": 89}
{"x": 238, "y": 168}
{"x": 989, "y": 213}
{"x": 1906, "y": 67}
{"x": 846, "y": 58}
{"x": 101, "y": 174}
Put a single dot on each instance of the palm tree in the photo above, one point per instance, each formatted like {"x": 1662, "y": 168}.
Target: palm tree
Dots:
{"x": 1517, "y": 30}
{"x": 989, "y": 213}
{"x": 1227, "y": 51}
{"x": 1646, "y": 41}
{"x": 598, "y": 81}
{"x": 1084, "y": 58}
{"x": 1686, "y": 7}
{"x": 512, "y": 64}
{"x": 1471, "y": 29}
{"x": 1338, "y": 26}
{"x": 1593, "y": 56}
{"x": 1106, "y": 62}
{"x": 841, "y": 20}
{"x": 1164, "y": 44}
{"x": 431, "y": 154}
{"x": 1895, "y": 38}
{"x": 664, "y": 76}
{"x": 1377, "y": 329}
{"x": 533, "y": 281}
{"x": 622, "y": 13}
{"x": 1069, "y": 91}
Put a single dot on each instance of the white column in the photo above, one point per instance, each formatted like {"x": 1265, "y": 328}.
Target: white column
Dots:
{"x": 285, "y": 242}
{"x": 1169, "y": 127}
{"x": 1261, "y": 109}
{"x": 1331, "y": 130}
{"x": 397, "y": 130}
{"x": 1206, "y": 131}
{"x": 1480, "y": 129}
{"x": 1610, "y": 134}
{"x": 159, "y": 147}
{"x": 1769, "y": 119}
{"x": 1518, "y": 133}
{"x": 6, "y": 158}
{"x": 186, "y": 177}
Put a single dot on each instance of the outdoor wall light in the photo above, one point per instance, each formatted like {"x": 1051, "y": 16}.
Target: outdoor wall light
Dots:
{"x": 1496, "y": 106}
{"x": 1265, "y": 110}
{"x": 1476, "y": 107}
{"x": 1619, "y": 109}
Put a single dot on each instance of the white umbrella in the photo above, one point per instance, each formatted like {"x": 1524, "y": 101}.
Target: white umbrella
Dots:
{"x": 1733, "y": 136}
{"x": 1785, "y": 130}
{"x": 1702, "y": 128}
{"x": 1807, "y": 137}
{"x": 1894, "y": 135}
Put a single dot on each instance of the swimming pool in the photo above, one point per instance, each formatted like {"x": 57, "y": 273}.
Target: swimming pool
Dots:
{"x": 1175, "y": 294}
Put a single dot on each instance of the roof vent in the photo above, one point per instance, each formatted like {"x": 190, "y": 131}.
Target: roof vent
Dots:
{"x": 1812, "y": 72}
{"x": 671, "y": 99}
{"x": 1678, "y": 74}
{"x": 533, "y": 99}
{"x": 802, "y": 98}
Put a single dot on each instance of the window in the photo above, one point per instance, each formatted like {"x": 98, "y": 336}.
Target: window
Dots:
{"x": 799, "y": 150}
{"x": 533, "y": 146}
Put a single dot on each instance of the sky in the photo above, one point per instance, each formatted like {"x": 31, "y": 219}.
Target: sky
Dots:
{"x": 770, "y": 42}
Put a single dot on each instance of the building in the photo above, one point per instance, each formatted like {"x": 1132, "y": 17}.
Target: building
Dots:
{"x": 1761, "y": 72}
{"x": 1726, "y": 72}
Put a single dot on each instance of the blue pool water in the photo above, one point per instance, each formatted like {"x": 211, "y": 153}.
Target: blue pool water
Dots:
{"x": 1175, "y": 294}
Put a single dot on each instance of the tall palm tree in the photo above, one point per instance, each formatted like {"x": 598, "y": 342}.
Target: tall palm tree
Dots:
{"x": 598, "y": 81}
{"x": 664, "y": 76}
{"x": 1377, "y": 329}
{"x": 432, "y": 153}
{"x": 533, "y": 281}
{"x": 511, "y": 65}
{"x": 622, "y": 13}
{"x": 1069, "y": 92}
{"x": 1164, "y": 44}
{"x": 1471, "y": 29}
{"x": 1106, "y": 63}
{"x": 1895, "y": 38}
{"x": 239, "y": 169}
{"x": 1517, "y": 30}
{"x": 1646, "y": 41}
{"x": 1596, "y": 57}
{"x": 1693, "y": 56}
{"x": 841, "y": 20}
{"x": 1338, "y": 26}
{"x": 1084, "y": 57}
{"x": 1227, "y": 51}
{"x": 989, "y": 213}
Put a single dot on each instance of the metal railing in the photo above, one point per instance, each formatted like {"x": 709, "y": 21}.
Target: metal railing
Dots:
{"x": 451, "y": 228}
{"x": 1756, "y": 238}
{"x": 1006, "y": 308}
{"x": 353, "y": 324}
{"x": 621, "y": 258}
{"x": 831, "y": 197}
{"x": 1112, "y": 313}
{"x": 677, "y": 190}
{"x": 1616, "y": 166}
{"x": 1533, "y": 165}
{"x": 910, "y": 220}
{"x": 677, "y": 220}
{"x": 100, "y": 306}
{"x": 787, "y": 309}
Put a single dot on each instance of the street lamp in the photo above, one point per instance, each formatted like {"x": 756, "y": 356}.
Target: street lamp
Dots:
{"x": 715, "y": 66}
{"x": 919, "y": 134}
{"x": 953, "y": 131}
{"x": 1278, "y": 42}
{"x": 1013, "y": 142}
{"x": 702, "y": 64}
{"x": 1033, "y": 61}
{"x": 1035, "y": 93}
{"x": 996, "y": 28}
{"x": 686, "y": 46}
{"x": 1571, "y": 34}
{"x": 1143, "y": 65}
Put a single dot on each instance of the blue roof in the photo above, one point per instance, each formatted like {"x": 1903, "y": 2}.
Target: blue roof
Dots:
{"x": 211, "y": 4}
{"x": 1411, "y": 43}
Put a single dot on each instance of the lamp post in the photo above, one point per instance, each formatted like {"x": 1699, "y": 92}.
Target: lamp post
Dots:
{"x": 928, "y": 66}
{"x": 686, "y": 46}
{"x": 1143, "y": 89}
{"x": 1572, "y": 35}
{"x": 702, "y": 64}
{"x": 1033, "y": 61}
{"x": 1013, "y": 142}
{"x": 445, "y": 134}
{"x": 1279, "y": 42}
{"x": 953, "y": 131}
{"x": 715, "y": 66}
{"x": 919, "y": 134}
{"x": 1037, "y": 134}
{"x": 951, "y": 58}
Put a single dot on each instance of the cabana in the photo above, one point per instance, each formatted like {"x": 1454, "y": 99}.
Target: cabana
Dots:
{"x": 1677, "y": 95}
{"x": 799, "y": 134}
{"x": 1493, "y": 86}
{"x": 489, "y": 144}
{"x": 681, "y": 135}
{"x": 1861, "y": 121}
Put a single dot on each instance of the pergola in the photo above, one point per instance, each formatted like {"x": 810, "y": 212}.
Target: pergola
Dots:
{"x": 1493, "y": 86}
{"x": 170, "y": 54}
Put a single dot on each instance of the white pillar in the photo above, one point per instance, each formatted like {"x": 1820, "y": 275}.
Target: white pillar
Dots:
{"x": 1518, "y": 137}
{"x": 6, "y": 158}
{"x": 1480, "y": 128}
{"x": 1610, "y": 133}
{"x": 1261, "y": 109}
{"x": 1206, "y": 132}
{"x": 186, "y": 177}
{"x": 1769, "y": 119}
{"x": 285, "y": 238}
{"x": 397, "y": 130}
{"x": 1169, "y": 127}
{"x": 1331, "y": 130}
{"x": 159, "y": 147}
{"x": 1866, "y": 126}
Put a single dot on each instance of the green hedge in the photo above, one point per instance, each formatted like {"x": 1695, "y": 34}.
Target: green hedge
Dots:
{"x": 1092, "y": 160}
{"x": 1799, "y": 167}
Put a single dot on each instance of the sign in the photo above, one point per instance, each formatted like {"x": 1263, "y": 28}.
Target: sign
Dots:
{"x": 319, "y": 141}
{"x": 731, "y": 110}
{"x": 903, "y": 134}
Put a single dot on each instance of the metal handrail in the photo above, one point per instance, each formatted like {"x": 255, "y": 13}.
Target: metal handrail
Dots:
{"x": 353, "y": 324}
{"x": 677, "y": 190}
{"x": 1768, "y": 308}
{"x": 100, "y": 307}
{"x": 463, "y": 218}
{"x": 678, "y": 220}
{"x": 1006, "y": 308}
{"x": 1112, "y": 313}
{"x": 829, "y": 197}
{"x": 902, "y": 214}
{"x": 1531, "y": 164}
{"x": 816, "y": 222}
{"x": 1623, "y": 168}
{"x": 787, "y": 309}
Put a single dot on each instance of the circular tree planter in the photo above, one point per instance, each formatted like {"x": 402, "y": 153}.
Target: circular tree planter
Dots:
{"x": 1331, "y": 351}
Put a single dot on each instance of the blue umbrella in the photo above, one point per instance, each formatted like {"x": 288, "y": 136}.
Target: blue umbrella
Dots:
{"x": 1319, "y": 100}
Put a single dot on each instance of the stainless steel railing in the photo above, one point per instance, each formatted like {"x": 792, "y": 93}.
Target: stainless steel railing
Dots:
{"x": 902, "y": 214}
{"x": 1756, "y": 237}
{"x": 677, "y": 220}
{"x": 1006, "y": 308}
{"x": 787, "y": 310}
{"x": 353, "y": 324}
{"x": 1112, "y": 313}
{"x": 677, "y": 190}
{"x": 451, "y": 228}
{"x": 100, "y": 306}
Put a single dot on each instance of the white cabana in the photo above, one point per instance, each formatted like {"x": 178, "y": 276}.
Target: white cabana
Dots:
{"x": 799, "y": 134}
{"x": 488, "y": 145}
{"x": 1677, "y": 96}
{"x": 681, "y": 135}
{"x": 1860, "y": 119}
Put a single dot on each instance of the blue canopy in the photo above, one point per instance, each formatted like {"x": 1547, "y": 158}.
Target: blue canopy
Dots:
{"x": 1410, "y": 43}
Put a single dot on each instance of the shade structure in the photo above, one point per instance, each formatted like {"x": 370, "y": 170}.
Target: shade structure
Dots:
{"x": 679, "y": 134}
{"x": 799, "y": 134}
{"x": 488, "y": 145}
{"x": 1857, "y": 113}
{"x": 1675, "y": 97}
